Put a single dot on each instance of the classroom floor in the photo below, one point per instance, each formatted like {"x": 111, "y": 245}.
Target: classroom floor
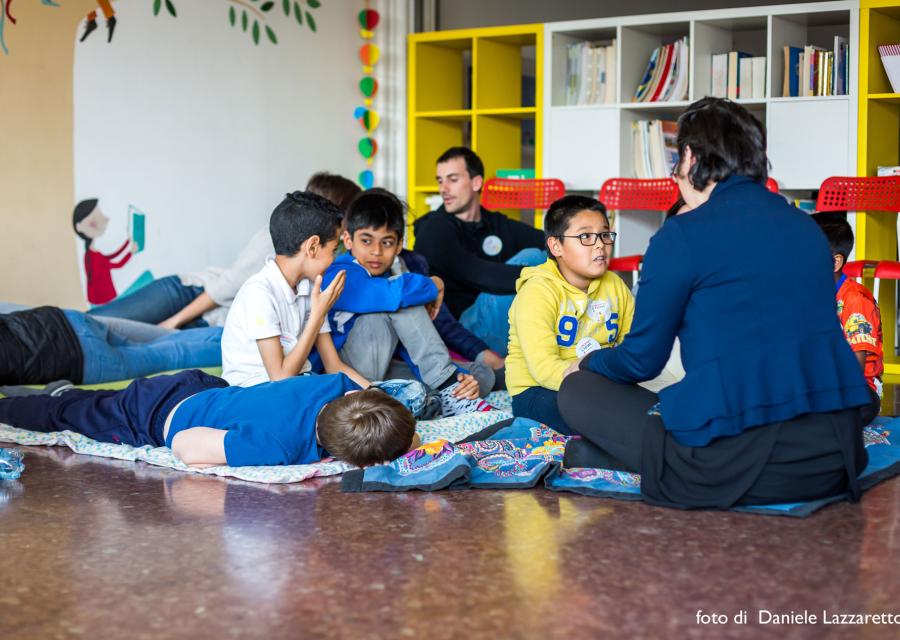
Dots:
{"x": 100, "y": 548}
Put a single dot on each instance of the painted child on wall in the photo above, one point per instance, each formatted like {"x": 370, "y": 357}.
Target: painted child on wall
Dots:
{"x": 90, "y": 223}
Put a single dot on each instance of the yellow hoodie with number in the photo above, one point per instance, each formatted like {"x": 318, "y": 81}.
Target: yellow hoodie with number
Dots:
{"x": 553, "y": 323}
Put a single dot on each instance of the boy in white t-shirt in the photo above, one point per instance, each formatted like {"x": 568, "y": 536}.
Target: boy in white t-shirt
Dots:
{"x": 280, "y": 313}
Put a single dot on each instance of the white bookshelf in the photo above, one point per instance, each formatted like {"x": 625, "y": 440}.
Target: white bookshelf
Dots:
{"x": 760, "y": 31}
{"x": 809, "y": 138}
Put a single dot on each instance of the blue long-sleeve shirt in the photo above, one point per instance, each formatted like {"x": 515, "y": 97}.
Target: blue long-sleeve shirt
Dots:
{"x": 745, "y": 281}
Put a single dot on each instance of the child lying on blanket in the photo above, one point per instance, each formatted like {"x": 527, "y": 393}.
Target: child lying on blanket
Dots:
{"x": 206, "y": 423}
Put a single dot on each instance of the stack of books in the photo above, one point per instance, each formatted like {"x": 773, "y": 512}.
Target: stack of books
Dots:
{"x": 666, "y": 77}
{"x": 655, "y": 148}
{"x": 591, "y": 73}
{"x": 738, "y": 76}
{"x": 814, "y": 71}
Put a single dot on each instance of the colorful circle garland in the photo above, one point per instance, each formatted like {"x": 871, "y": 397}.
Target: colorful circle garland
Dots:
{"x": 368, "y": 86}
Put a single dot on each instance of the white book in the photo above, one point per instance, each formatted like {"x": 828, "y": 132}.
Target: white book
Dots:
{"x": 745, "y": 78}
{"x": 645, "y": 145}
{"x": 656, "y": 150}
{"x": 599, "y": 94}
{"x": 759, "y": 78}
{"x": 888, "y": 171}
{"x": 573, "y": 73}
{"x": 680, "y": 90}
{"x": 610, "y": 96}
{"x": 587, "y": 72}
{"x": 719, "y": 76}
{"x": 637, "y": 150}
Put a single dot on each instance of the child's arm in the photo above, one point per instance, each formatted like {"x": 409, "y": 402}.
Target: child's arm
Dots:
{"x": 279, "y": 366}
{"x": 367, "y": 294}
{"x": 333, "y": 363}
{"x": 200, "y": 447}
{"x": 125, "y": 245}
{"x": 196, "y": 308}
{"x": 536, "y": 331}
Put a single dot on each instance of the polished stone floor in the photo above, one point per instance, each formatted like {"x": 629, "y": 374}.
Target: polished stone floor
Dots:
{"x": 96, "y": 548}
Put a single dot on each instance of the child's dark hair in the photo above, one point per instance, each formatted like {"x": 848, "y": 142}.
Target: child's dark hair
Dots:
{"x": 82, "y": 210}
{"x": 474, "y": 165}
{"x": 338, "y": 189}
{"x": 725, "y": 139}
{"x": 374, "y": 209}
{"x": 837, "y": 230}
{"x": 561, "y": 212}
{"x": 366, "y": 428}
{"x": 300, "y": 216}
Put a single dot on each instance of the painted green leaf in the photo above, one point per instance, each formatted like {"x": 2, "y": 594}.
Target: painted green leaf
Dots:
{"x": 255, "y": 32}
{"x": 267, "y": 6}
{"x": 286, "y": 5}
{"x": 244, "y": 20}
{"x": 231, "y": 15}
{"x": 157, "y": 4}
{"x": 271, "y": 35}
{"x": 314, "y": 4}
{"x": 171, "y": 8}
{"x": 310, "y": 21}
{"x": 298, "y": 13}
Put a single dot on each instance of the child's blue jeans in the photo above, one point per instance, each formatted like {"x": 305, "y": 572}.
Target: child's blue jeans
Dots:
{"x": 158, "y": 301}
{"x": 488, "y": 317}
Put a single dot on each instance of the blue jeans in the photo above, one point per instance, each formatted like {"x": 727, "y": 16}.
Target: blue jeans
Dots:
{"x": 539, "y": 404}
{"x": 159, "y": 300}
{"x": 488, "y": 317}
{"x": 111, "y": 354}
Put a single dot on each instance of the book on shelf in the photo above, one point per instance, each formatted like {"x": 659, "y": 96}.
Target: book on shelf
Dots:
{"x": 738, "y": 76}
{"x": 890, "y": 59}
{"x": 655, "y": 145}
{"x": 888, "y": 171}
{"x": 516, "y": 174}
{"x": 809, "y": 206}
{"x": 815, "y": 71}
{"x": 666, "y": 76}
{"x": 591, "y": 73}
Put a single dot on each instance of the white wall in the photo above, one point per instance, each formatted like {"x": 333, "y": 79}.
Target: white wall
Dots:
{"x": 205, "y": 132}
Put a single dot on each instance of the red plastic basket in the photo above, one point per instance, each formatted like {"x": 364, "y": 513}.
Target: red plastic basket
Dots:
{"x": 504, "y": 193}
{"x": 636, "y": 193}
{"x": 840, "y": 193}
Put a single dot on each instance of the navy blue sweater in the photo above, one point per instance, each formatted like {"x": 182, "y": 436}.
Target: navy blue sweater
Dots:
{"x": 745, "y": 281}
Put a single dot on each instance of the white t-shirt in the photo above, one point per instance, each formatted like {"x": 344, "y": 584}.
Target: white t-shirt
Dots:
{"x": 264, "y": 307}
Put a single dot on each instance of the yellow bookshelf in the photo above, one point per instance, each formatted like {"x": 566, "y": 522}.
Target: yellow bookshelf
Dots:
{"x": 465, "y": 88}
{"x": 879, "y": 129}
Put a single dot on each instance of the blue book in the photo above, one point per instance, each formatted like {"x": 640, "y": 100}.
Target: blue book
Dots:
{"x": 791, "y": 87}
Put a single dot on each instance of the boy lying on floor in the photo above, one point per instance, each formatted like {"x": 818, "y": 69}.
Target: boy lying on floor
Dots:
{"x": 206, "y": 423}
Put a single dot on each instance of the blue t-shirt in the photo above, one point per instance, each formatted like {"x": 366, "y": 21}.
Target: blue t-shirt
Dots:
{"x": 268, "y": 424}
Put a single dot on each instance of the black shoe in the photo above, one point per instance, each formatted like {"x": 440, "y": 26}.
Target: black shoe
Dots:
{"x": 89, "y": 28}
{"x": 111, "y": 25}
{"x": 53, "y": 389}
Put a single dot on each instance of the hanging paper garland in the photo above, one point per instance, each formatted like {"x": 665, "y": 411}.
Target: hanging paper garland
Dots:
{"x": 368, "y": 86}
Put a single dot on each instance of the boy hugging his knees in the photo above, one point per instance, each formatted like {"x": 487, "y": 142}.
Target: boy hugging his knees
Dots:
{"x": 206, "y": 423}
{"x": 280, "y": 313}
{"x": 377, "y": 312}
{"x": 857, "y": 310}
{"x": 565, "y": 308}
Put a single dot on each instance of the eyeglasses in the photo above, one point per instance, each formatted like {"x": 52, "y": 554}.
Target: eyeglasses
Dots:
{"x": 590, "y": 239}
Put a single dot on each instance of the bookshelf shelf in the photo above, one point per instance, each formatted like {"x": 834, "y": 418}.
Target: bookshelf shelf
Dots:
{"x": 878, "y": 132}
{"x": 467, "y": 87}
{"x": 674, "y": 106}
{"x": 793, "y": 99}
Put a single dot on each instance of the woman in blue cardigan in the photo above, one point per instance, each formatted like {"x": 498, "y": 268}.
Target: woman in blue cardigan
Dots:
{"x": 765, "y": 412}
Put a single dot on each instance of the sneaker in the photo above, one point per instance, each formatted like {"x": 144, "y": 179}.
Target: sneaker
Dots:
{"x": 453, "y": 406}
{"x": 53, "y": 389}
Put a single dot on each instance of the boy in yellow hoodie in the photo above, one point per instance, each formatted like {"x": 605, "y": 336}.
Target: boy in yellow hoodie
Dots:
{"x": 564, "y": 308}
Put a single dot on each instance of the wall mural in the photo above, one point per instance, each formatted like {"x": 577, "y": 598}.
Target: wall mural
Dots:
{"x": 251, "y": 16}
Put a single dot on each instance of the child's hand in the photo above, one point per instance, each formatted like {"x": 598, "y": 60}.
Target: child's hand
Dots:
{"x": 434, "y": 308}
{"x": 468, "y": 387}
{"x": 323, "y": 300}
{"x": 572, "y": 368}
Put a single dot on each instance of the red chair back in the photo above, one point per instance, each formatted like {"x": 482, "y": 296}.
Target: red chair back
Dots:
{"x": 772, "y": 185}
{"x": 503, "y": 193}
{"x": 636, "y": 193}
{"x": 840, "y": 193}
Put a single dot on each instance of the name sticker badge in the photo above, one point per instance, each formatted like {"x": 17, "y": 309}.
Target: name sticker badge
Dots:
{"x": 585, "y": 346}
{"x": 492, "y": 245}
{"x": 598, "y": 310}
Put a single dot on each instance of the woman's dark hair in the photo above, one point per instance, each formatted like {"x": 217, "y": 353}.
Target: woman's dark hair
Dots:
{"x": 82, "y": 210}
{"x": 672, "y": 211}
{"x": 338, "y": 189}
{"x": 300, "y": 216}
{"x": 374, "y": 209}
{"x": 561, "y": 212}
{"x": 726, "y": 140}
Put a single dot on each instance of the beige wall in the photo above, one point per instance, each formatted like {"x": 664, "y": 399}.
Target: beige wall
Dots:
{"x": 38, "y": 263}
